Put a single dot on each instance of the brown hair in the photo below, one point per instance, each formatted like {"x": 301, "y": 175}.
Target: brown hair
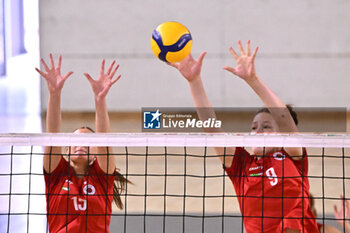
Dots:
{"x": 291, "y": 111}
{"x": 312, "y": 205}
{"x": 119, "y": 184}
{"x": 118, "y": 187}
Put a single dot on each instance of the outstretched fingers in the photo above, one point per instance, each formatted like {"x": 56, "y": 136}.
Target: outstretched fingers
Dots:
{"x": 67, "y": 75}
{"x": 89, "y": 78}
{"x": 40, "y": 72}
{"x": 230, "y": 69}
{"x": 47, "y": 69}
{"x": 343, "y": 209}
{"x": 175, "y": 65}
{"x": 241, "y": 48}
{"x": 107, "y": 87}
{"x": 248, "y": 48}
{"x": 59, "y": 62}
{"x": 102, "y": 69}
{"x": 345, "y": 205}
{"x": 114, "y": 70}
{"x": 255, "y": 52}
{"x": 234, "y": 54}
{"x": 335, "y": 210}
{"x": 52, "y": 63}
{"x": 201, "y": 57}
{"x": 110, "y": 67}
{"x": 247, "y": 52}
{"x": 115, "y": 80}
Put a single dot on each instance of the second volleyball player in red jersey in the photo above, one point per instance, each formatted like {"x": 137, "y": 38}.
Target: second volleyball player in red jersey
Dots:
{"x": 82, "y": 182}
{"x": 271, "y": 183}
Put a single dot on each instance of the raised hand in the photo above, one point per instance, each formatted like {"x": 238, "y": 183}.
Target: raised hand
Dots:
{"x": 52, "y": 75}
{"x": 343, "y": 213}
{"x": 190, "y": 68}
{"x": 245, "y": 67}
{"x": 104, "y": 82}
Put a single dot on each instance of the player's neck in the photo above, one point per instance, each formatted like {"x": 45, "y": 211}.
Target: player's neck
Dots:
{"x": 79, "y": 168}
{"x": 267, "y": 150}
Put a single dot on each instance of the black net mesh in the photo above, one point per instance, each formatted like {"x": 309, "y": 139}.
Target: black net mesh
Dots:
{"x": 176, "y": 189}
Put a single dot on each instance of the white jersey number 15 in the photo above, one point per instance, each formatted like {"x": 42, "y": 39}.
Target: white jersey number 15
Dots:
{"x": 79, "y": 204}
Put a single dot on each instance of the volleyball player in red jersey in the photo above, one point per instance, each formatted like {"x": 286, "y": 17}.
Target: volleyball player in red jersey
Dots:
{"x": 271, "y": 183}
{"x": 80, "y": 189}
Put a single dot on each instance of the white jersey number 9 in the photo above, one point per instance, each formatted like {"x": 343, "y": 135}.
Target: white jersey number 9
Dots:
{"x": 271, "y": 174}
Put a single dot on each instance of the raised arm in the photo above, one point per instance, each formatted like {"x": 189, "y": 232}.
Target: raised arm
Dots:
{"x": 55, "y": 82}
{"x": 101, "y": 88}
{"x": 191, "y": 71}
{"x": 245, "y": 69}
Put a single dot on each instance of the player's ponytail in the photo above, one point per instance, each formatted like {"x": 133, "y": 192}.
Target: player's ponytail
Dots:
{"x": 118, "y": 187}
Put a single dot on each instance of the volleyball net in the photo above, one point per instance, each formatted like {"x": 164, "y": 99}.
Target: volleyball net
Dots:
{"x": 177, "y": 183}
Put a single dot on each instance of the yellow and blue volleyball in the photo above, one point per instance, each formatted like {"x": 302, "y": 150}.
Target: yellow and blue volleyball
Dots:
{"x": 171, "y": 42}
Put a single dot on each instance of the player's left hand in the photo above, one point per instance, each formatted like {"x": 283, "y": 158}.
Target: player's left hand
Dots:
{"x": 245, "y": 68}
{"x": 105, "y": 80}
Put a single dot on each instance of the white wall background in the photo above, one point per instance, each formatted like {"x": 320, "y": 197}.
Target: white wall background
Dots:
{"x": 304, "y": 52}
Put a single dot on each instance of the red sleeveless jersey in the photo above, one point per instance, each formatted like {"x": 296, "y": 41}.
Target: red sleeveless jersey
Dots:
{"x": 78, "y": 205}
{"x": 272, "y": 191}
